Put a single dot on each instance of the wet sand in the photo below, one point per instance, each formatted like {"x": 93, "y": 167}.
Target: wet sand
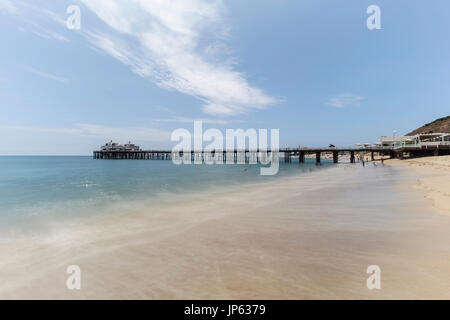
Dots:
{"x": 307, "y": 237}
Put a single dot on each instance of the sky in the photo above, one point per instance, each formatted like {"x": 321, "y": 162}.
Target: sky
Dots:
{"x": 139, "y": 69}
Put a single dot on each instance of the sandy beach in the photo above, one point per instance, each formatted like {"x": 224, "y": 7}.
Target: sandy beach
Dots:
{"x": 306, "y": 237}
{"x": 434, "y": 180}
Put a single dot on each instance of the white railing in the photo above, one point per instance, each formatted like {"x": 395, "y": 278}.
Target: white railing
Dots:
{"x": 402, "y": 144}
{"x": 435, "y": 144}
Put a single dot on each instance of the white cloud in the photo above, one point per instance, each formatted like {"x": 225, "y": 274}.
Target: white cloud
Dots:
{"x": 54, "y": 16}
{"x": 33, "y": 18}
{"x": 103, "y": 132}
{"x": 44, "y": 33}
{"x": 43, "y": 130}
{"x": 178, "y": 45}
{"x": 76, "y": 140}
{"x": 345, "y": 100}
{"x": 8, "y": 6}
{"x": 124, "y": 133}
{"x": 191, "y": 120}
{"x": 48, "y": 75}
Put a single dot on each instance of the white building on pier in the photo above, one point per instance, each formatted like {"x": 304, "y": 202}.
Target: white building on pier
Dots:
{"x": 114, "y": 146}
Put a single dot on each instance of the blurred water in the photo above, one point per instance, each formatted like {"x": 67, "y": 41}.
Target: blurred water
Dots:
{"x": 34, "y": 188}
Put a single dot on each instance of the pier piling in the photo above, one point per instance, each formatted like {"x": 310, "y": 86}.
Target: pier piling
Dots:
{"x": 352, "y": 156}
{"x": 335, "y": 157}
{"x": 301, "y": 157}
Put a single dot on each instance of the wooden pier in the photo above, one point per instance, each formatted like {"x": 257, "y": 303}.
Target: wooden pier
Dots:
{"x": 244, "y": 156}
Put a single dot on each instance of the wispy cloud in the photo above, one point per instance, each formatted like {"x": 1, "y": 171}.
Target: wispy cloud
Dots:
{"x": 8, "y": 6}
{"x": 48, "y": 75}
{"x": 43, "y": 129}
{"x": 77, "y": 139}
{"x": 44, "y": 33}
{"x": 34, "y": 18}
{"x": 345, "y": 100}
{"x": 102, "y": 132}
{"x": 191, "y": 120}
{"x": 179, "y": 45}
{"x": 124, "y": 133}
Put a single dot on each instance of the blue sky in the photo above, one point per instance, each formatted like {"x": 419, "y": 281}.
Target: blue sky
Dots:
{"x": 137, "y": 70}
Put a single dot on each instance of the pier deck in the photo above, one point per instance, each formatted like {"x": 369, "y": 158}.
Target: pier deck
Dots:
{"x": 288, "y": 153}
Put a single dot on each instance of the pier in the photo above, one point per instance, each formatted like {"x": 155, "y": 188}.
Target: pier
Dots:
{"x": 394, "y": 147}
{"x": 244, "y": 156}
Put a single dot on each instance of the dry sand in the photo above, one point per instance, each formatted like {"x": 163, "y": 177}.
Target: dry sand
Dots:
{"x": 308, "y": 237}
{"x": 435, "y": 180}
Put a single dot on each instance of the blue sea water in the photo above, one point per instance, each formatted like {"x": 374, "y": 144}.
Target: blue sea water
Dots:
{"x": 36, "y": 188}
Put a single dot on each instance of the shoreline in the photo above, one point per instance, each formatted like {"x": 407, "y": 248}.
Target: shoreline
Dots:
{"x": 305, "y": 237}
{"x": 52, "y": 224}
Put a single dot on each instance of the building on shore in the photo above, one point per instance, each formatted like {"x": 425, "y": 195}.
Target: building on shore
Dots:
{"x": 417, "y": 140}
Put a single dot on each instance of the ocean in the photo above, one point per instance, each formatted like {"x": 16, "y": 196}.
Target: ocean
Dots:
{"x": 38, "y": 191}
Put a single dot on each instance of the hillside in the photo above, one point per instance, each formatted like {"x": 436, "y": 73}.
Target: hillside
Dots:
{"x": 439, "y": 125}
